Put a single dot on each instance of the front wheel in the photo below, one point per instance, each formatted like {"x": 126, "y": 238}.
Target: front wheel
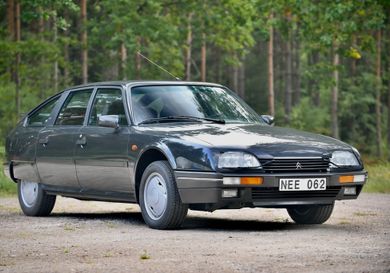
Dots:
{"x": 159, "y": 198}
{"x": 310, "y": 215}
{"x": 33, "y": 199}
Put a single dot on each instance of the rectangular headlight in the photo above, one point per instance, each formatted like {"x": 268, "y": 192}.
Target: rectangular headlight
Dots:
{"x": 343, "y": 159}
{"x": 237, "y": 160}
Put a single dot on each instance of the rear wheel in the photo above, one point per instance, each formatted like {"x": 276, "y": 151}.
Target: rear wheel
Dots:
{"x": 33, "y": 199}
{"x": 159, "y": 198}
{"x": 310, "y": 215}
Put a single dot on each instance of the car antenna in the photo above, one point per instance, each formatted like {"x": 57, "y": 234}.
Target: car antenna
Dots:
{"x": 159, "y": 66}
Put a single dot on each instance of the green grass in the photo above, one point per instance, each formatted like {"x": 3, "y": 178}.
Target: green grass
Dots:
{"x": 7, "y": 187}
{"x": 378, "y": 177}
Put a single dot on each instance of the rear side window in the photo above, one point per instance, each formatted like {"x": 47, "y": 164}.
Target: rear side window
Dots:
{"x": 74, "y": 109}
{"x": 41, "y": 116}
{"x": 108, "y": 101}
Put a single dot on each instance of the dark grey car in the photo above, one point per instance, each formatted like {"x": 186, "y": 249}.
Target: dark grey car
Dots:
{"x": 170, "y": 146}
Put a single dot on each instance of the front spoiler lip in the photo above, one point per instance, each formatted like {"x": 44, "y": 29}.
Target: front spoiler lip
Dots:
{"x": 206, "y": 187}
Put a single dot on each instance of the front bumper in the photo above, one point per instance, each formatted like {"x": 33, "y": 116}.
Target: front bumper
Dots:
{"x": 207, "y": 188}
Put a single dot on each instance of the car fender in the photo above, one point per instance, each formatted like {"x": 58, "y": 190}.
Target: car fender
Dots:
{"x": 161, "y": 147}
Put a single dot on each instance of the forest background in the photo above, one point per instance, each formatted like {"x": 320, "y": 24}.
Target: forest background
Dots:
{"x": 316, "y": 65}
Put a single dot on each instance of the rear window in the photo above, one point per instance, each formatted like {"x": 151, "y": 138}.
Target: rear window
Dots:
{"x": 41, "y": 116}
{"x": 74, "y": 109}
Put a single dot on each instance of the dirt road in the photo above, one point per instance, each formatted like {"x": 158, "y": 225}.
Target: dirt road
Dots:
{"x": 105, "y": 237}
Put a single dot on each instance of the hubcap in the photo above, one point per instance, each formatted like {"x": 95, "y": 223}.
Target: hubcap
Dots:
{"x": 29, "y": 192}
{"x": 155, "y": 196}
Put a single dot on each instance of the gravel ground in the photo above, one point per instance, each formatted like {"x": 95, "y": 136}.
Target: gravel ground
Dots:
{"x": 107, "y": 237}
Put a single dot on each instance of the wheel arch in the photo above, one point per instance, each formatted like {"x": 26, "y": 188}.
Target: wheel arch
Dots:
{"x": 148, "y": 156}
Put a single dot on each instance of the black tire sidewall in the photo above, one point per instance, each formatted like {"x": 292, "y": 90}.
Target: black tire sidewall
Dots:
{"x": 311, "y": 215}
{"x": 162, "y": 168}
{"x": 41, "y": 205}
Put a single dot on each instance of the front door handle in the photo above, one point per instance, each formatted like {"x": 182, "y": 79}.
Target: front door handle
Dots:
{"x": 81, "y": 141}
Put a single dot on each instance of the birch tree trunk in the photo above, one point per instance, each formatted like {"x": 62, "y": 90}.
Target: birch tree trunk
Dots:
{"x": 17, "y": 59}
{"x": 279, "y": 65}
{"x": 66, "y": 54}
{"x": 219, "y": 69}
{"x": 296, "y": 68}
{"x": 84, "y": 41}
{"x": 55, "y": 65}
{"x": 388, "y": 93}
{"x": 138, "y": 60}
{"x": 288, "y": 89}
{"x": 203, "y": 58}
{"x": 317, "y": 94}
{"x": 11, "y": 19}
{"x": 271, "y": 95}
{"x": 353, "y": 61}
{"x": 388, "y": 111}
{"x": 122, "y": 60}
{"x": 189, "y": 48}
{"x": 41, "y": 29}
{"x": 241, "y": 79}
{"x": 235, "y": 78}
{"x": 378, "y": 95}
{"x": 335, "y": 92}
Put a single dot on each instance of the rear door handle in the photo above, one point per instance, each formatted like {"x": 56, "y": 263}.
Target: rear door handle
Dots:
{"x": 43, "y": 141}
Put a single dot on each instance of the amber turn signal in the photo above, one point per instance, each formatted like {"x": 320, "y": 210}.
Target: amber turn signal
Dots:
{"x": 251, "y": 181}
{"x": 346, "y": 179}
{"x": 134, "y": 147}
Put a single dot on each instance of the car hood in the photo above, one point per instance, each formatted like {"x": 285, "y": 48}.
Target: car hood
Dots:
{"x": 262, "y": 140}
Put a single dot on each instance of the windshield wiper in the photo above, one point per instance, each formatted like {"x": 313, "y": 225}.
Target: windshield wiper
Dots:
{"x": 180, "y": 118}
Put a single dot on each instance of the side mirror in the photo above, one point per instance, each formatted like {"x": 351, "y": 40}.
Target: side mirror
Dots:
{"x": 111, "y": 121}
{"x": 268, "y": 119}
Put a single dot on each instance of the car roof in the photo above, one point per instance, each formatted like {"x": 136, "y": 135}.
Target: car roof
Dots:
{"x": 140, "y": 83}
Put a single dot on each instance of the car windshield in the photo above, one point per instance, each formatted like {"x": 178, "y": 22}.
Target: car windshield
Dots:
{"x": 207, "y": 103}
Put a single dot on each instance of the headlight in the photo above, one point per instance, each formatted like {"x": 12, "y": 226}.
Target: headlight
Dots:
{"x": 237, "y": 160}
{"x": 343, "y": 159}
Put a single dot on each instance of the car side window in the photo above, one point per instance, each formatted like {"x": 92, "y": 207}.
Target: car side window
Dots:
{"x": 108, "y": 101}
{"x": 40, "y": 117}
{"x": 74, "y": 109}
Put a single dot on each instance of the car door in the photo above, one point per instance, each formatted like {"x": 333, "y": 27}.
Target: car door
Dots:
{"x": 101, "y": 155}
{"x": 25, "y": 140}
{"x": 56, "y": 143}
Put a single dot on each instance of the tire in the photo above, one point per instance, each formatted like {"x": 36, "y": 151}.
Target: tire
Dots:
{"x": 33, "y": 199}
{"x": 159, "y": 198}
{"x": 310, "y": 215}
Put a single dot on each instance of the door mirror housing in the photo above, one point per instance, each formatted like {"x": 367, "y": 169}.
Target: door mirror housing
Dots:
{"x": 110, "y": 121}
{"x": 268, "y": 119}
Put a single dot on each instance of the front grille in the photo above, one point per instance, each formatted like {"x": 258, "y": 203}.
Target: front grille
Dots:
{"x": 274, "y": 193}
{"x": 315, "y": 165}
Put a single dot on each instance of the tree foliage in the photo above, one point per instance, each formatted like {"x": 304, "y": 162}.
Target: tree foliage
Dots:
{"x": 235, "y": 34}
